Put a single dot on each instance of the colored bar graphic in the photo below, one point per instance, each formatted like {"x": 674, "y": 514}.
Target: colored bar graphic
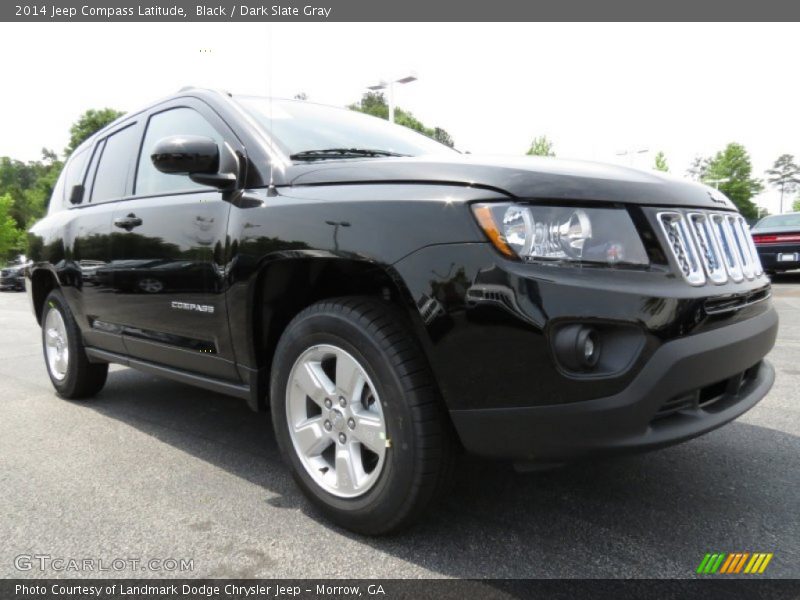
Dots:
{"x": 737, "y": 558}
{"x": 765, "y": 563}
{"x": 710, "y": 564}
{"x": 741, "y": 562}
{"x": 703, "y": 563}
{"x": 727, "y": 564}
{"x": 754, "y": 563}
{"x": 718, "y": 563}
{"x": 733, "y": 563}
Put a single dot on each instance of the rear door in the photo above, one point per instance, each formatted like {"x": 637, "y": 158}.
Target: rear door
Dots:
{"x": 168, "y": 247}
{"x": 109, "y": 178}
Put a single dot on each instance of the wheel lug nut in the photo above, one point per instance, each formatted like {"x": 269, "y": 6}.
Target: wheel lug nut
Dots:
{"x": 342, "y": 401}
{"x": 351, "y": 423}
{"x": 328, "y": 403}
{"x": 342, "y": 438}
{"x": 327, "y": 425}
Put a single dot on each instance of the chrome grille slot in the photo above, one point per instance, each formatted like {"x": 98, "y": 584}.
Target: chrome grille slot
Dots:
{"x": 742, "y": 247}
{"x": 708, "y": 247}
{"x": 748, "y": 247}
{"x": 727, "y": 242}
{"x": 682, "y": 246}
{"x": 759, "y": 270}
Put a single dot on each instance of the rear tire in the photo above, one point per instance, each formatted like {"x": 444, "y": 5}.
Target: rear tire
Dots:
{"x": 70, "y": 371}
{"x": 386, "y": 482}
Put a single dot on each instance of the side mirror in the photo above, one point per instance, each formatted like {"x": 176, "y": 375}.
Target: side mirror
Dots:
{"x": 192, "y": 155}
{"x": 76, "y": 194}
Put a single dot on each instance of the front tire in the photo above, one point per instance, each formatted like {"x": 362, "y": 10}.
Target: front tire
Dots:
{"x": 70, "y": 371}
{"x": 358, "y": 417}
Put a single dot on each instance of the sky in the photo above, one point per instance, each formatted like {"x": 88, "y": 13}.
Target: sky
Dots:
{"x": 596, "y": 90}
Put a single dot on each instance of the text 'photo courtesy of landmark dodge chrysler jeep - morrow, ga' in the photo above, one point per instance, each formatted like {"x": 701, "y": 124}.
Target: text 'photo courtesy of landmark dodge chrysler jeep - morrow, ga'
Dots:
{"x": 392, "y": 301}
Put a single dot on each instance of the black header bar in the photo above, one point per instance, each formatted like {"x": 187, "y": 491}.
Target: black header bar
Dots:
{"x": 405, "y": 10}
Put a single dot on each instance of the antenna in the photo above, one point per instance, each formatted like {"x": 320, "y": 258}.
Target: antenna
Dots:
{"x": 269, "y": 99}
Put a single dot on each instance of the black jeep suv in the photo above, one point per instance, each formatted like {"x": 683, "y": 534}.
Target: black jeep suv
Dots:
{"x": 391, "y": 300}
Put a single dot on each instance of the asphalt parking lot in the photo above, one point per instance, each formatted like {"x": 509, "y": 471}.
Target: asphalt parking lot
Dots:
{"x": 156, "y": 469}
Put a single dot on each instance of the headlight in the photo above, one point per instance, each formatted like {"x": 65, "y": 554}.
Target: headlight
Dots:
{"x": 530, "y": 232}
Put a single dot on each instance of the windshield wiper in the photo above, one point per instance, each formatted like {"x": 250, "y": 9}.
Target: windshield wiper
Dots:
{"x": 327, "y": 153}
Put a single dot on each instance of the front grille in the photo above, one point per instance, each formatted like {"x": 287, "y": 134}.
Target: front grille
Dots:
{"x": 710, "y": 246}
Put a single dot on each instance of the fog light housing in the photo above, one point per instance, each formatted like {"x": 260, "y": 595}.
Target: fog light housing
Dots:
{"x": 578, "y": 347}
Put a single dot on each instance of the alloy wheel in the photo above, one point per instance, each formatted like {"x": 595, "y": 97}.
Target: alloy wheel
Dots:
{"x": 56, "y": 344}
{"x": 336, "y": 421}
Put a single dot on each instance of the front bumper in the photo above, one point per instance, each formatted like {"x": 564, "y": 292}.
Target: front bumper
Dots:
{"x": 689, "y": 386}
{"x": 12, "y": 283}
{"x": 769, "y": 256}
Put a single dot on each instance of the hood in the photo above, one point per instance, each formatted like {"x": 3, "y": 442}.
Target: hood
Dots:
{"x": 520, "y": 177}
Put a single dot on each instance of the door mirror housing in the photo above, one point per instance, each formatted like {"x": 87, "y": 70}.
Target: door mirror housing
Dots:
{"x": 192, "y": 155}
{"x": 76, "y": 194}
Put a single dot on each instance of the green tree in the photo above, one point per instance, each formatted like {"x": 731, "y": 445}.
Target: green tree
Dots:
{"x": 88, "y": 123}
{"x": 660, "y": 163}
{"x": 796, "y": 205}
{"x": 541, "y": 146}
{"x": 10, "y": 235}
{"x": 441, "y": 136}
{"x": 731, "y": 171}
{"x": 784, "y": 175}
{"x": 374, "y": 103}
{"x": 29, "y": 185}
{"x": 698, "y": 169}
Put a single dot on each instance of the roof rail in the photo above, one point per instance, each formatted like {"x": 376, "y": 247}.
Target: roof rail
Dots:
{"x": 186, "y": 88}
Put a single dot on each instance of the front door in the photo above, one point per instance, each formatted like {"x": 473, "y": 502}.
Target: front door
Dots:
{"x": 168, "y": 247}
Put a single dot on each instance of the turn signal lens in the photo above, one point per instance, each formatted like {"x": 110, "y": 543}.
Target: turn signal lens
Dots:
{"x": 484, "y": 215}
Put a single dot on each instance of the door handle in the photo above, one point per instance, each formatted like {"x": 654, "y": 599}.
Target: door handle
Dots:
{"x": 127, "y": 223}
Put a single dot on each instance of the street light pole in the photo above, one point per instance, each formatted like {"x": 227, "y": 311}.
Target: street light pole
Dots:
{"x": 716, "y": 182}
{"x": 389, "y": 87}
{"x": 631, "y": 152}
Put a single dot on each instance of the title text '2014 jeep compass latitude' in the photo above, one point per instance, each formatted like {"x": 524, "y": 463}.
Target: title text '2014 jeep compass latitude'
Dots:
{"x": 391, "y": 300}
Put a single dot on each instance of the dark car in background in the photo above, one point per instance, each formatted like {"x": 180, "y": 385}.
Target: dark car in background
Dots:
{"x": 392, "y": 301}
{"x": 777, "y": 239}
{"x": 12, "y": 276}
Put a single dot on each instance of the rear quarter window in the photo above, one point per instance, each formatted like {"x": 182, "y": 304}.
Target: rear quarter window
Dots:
{"x": 71, "y": 175}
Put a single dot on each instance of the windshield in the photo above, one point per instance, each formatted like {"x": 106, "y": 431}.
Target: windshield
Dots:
{"x": 300, "y": 127}
{"x": 790, "y": 220}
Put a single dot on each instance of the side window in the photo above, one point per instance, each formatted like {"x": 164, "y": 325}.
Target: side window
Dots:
{"x": 89, "y": 177}
{"x": 71, "y": 176}
{"x": 75, "y": 169}
{"x": 176, "y": 121}
{"x": 111, "y": 178}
